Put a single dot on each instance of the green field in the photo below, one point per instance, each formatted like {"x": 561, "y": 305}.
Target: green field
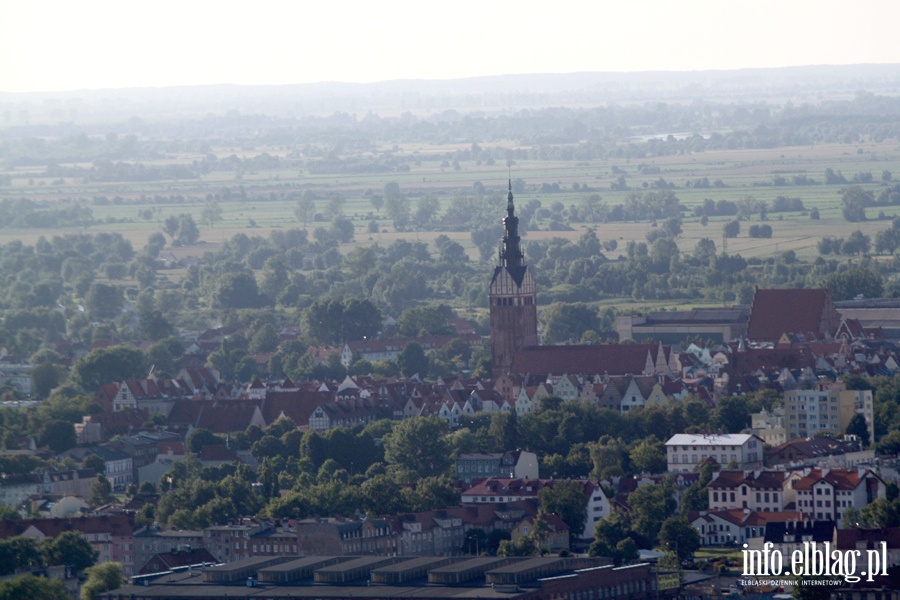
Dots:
{"x": 742, "y": 172}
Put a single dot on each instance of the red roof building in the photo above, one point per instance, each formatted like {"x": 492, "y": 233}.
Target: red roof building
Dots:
{"x": 776, "y": 312}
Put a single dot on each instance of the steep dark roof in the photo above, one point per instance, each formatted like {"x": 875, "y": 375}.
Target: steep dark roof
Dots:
{"x": 775, "y": 312}
{"x": 613, "y": 359}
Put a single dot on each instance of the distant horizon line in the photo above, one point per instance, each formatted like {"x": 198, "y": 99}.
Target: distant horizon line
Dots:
{"x": 338, "y": 82}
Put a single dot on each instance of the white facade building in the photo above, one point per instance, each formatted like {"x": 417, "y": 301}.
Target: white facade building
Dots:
{"x": 685, "y": 451}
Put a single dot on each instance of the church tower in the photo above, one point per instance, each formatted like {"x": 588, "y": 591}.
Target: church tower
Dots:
{"x": 512, "y": 297}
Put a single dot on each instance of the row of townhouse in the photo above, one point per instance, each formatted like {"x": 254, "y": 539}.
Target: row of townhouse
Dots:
{"x": 440, "y": 532}
{"x": 110, "y": 535}
{"x": 823, "y": 494}
{"x": 17, "y": 489}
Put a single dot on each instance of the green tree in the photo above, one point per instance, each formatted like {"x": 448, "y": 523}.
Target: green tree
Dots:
{"x": 29, "y": 586}
{"x": 649, "y": 456}
{"x": 859, "y": 428}
{"x": 237, "y": 290}
{"x": 59, "y": 436}
{"x": 44, "y": 378}
{"x": 187, "y": 232}
{"x": 199, "y": 438}
{"x": 880, "y": 513}
{"x": 417, "y": 448}
{"x": 18, "y": 553}
{"x": 566, "y": 500}
{"x": 108, "y": 365}
{"x": 104, "y": 301}
{"x": 732, "y": 413}
{"x": 100, "y": 492}
{"x": 566, "y": 322}
{"x": 852, "y": 518}
{"x": 412, "y": 360}
{"x": 610, "y": 535}
{"x": 102, "y": 578}
{"x": 70, "y": 549}
{"x": 381, "y": 495}
{"x": 94, "y": 462}
{"x": 854, "y": 282}
{"x": 732, "y": 229}
{"x": 855, "y": 200}
{"x": 650, "y": 506}
{"x": 425, "y": 320}
{"x": 305, "y": 208}
{"x": 679, "y": 537}
{"x": 212, "y": 213}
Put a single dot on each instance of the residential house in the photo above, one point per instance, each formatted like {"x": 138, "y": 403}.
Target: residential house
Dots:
{"x": 826, "y": 494}
{"x": 556, "y": 532}
{"x": 761, "y": 491}
{"x": 733, "y": 527}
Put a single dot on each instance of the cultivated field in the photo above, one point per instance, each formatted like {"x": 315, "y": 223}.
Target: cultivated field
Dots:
{"x": 742, "y": 172}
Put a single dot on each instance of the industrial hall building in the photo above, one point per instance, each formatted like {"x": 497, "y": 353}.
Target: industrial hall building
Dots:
{"x": 380, "y": 577}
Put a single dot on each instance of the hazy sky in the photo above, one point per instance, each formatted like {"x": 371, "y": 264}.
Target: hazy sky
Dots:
{"x": 64, "y": 45}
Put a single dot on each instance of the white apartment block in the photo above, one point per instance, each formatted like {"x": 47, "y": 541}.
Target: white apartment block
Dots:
{"x": 685, "y": 451}
{"x": 829, "y": 407}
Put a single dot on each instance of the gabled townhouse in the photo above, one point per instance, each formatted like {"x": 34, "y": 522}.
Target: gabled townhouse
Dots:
{"x": 566, "y": 387}
{"x": 555, "y": 530}
{"x": 825, "y": 494}
{"x": 524, "y": 400}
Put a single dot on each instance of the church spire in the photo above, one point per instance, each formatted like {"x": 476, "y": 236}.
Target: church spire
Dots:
{"x": 510, "y": 253}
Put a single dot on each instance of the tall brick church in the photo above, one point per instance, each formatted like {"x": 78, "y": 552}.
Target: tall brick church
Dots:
{"x": 512, "y": 298}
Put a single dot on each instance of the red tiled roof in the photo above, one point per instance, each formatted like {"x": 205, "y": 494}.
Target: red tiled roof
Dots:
{"x": 116, "y": 525}
{"x": 775, "y": 312}
{"x": 612, "y": 359}
{"x": 765, "y": 480}
{"x": 295, "y": 405}
{"x": 839, "y": 478}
